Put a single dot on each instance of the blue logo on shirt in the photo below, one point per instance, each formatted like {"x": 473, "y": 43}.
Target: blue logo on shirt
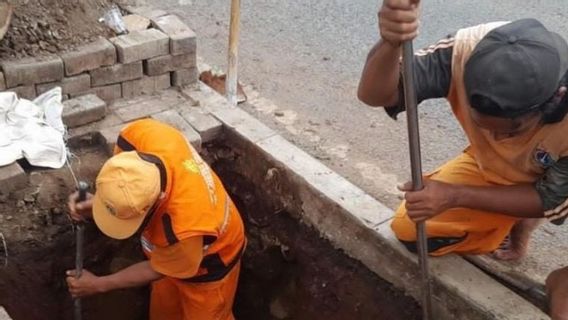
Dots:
{"x": 543, "y": 158}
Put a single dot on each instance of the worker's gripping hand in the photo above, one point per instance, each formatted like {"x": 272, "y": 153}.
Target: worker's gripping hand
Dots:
{"x": 80, "y": 211}
{"x": 398, "y": 21}
{"x": 435, "y": 198}
{"x": 86, "y": 285}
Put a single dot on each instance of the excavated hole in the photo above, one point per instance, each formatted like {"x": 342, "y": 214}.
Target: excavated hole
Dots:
{"x": 288, "y": 272}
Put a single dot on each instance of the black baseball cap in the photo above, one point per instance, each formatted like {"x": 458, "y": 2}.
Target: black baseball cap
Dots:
{"x": 517, "y": 66}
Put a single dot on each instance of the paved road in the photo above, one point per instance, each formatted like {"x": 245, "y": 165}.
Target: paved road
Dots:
{"x": 306, "y": 57}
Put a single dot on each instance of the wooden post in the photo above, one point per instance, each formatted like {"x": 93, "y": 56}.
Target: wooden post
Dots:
{"x": 232, "y": 73}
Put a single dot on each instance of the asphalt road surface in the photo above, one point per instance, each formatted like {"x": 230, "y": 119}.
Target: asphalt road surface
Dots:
{"x": 306, "y": 56}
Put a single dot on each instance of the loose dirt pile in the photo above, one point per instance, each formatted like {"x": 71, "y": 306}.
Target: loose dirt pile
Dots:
{"x": 41, "y": 27}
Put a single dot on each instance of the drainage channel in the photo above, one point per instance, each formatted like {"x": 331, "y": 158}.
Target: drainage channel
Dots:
{"x": 289, "y": 271}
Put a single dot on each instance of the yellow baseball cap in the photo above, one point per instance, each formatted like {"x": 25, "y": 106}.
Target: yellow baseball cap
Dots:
{"x": 127, "y": 188}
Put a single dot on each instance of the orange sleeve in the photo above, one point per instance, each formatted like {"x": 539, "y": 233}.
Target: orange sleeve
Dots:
{"x": 180, "y": 260}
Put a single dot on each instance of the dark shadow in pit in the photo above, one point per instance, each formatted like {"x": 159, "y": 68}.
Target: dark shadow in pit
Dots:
{"x": 289, "y": 272}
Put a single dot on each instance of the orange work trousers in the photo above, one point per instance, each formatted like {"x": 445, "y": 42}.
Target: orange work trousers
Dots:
{"x": 471, "y": 231}
{"x": 172, "y": 299}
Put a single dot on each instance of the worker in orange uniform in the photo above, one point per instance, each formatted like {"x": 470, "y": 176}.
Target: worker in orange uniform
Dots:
{"x": 506, "y": 84}
{"x": 191, "y": 232}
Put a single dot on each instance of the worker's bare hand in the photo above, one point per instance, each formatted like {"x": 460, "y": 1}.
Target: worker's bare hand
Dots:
{"x": 398, "y": 21}
{"x": 435, "y": 198}
{"x": 80, "y": 211}
{"x": 87, "y": 285}
{"x": 557, "y": 291}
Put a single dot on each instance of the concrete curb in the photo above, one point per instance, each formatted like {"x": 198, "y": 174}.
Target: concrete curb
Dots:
{"x": 358, "y": 224}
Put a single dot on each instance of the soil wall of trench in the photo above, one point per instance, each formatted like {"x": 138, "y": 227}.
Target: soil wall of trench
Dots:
{"x": 288, "y": 272}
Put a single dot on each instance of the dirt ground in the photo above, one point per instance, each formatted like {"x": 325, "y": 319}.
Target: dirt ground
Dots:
{"x": 42, "y": 27}
{"x": 41, "y": 247}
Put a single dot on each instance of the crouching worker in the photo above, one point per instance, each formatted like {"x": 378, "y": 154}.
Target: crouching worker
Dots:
{"x": 191, "y": 232}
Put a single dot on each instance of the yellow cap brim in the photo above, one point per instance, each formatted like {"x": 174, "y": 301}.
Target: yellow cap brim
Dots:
{"x": 112, "y": 226}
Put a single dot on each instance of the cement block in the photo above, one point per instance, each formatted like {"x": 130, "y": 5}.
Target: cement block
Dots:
{"x": 184, "y": 77}
{"x": 141, "y": 45}
{"x": 108, "y": 137}
{"x": 71, "y": 85}
{"x": 82, "y": 110}
{"x": 182, "y": 38}
{"x": 242, "y": 123}
{"x": 32, "y": 70}
{"x": 110, "y": 120}
{"x": 135, "y": 22}
{"x": 26, "y": 92}
{"x": 89, "y": 57}
{"x": 107, "y": 93}
{"x": 2, "y": 82}
{"x": 145, "y": 108}
{"x": 145, "y": 85}
{"x": 174, "y": 119}
{"x": 163, "y": 64}
{"x": 205, "y": 124}
{"x": 146, "y": 11}
{"x": 116, "y": 73}
{"x": 12, "y": 177}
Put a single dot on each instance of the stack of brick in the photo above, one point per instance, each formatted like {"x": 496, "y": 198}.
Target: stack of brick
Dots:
{"x": 141, "y": 62}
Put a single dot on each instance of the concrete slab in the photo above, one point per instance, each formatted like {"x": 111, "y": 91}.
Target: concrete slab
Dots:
{"x": 145, "y": 108}
{"x": 205, "y": 124}
{"x": 233, "y": 118}
{"x": 174, "y": 119}
{"x": 82, "y": 110}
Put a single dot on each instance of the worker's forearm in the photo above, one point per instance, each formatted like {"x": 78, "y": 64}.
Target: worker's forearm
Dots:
{"x": 136, "y": 275}
{"x": 379, "y": 80}
{"x": 519, "y": 201}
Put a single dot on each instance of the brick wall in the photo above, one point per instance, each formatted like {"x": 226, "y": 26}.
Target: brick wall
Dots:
{"x": 141, "y": 62}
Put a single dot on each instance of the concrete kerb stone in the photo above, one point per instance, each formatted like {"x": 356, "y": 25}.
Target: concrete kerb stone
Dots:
{"x": 145, "y": 107}
{"x": 116, "y": 73}
{"x": 182, "y": 38}
{"x": 205, "y": 124}
{"x": 146, "y": 11}
{"x": 32, "y": 70}
{"x": 26, "y": 92}
{"x": 71, "y": 85}
{"x": 83, "y": 110}
{"x": 91, "y": 56}
{"x": 145, "y": 85}
{"x": 173, "y": 118}
{"x": 184, "y": 77}
{"x": 107, "y": 93}
{"x": 141, "y": 45}
{"x": 108, "y": 137}
{"x": 163, "y": 64}
{"x": 12, "y": 177}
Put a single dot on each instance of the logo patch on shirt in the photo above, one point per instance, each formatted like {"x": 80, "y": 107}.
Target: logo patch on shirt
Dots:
{"x": 191, "y": 166}
{"x": 543, "y": 158}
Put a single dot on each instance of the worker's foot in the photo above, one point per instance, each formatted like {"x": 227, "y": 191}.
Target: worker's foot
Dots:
{"x": 516, "y": 245}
